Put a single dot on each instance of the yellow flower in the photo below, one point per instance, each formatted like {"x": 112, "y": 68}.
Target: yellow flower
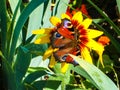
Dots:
{"x": 72, "y": 35}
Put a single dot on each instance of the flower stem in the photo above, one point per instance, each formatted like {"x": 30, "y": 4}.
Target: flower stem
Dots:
{"x": 63, "y": 85}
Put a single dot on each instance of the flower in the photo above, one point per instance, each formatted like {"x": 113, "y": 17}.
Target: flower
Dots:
{"x": 82, "y": 9}
{"x": 70, "y": 35}
{"x": 104, "y": 40}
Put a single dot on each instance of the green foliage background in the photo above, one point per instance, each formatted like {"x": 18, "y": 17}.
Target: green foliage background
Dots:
{"x": 22, "y": 67}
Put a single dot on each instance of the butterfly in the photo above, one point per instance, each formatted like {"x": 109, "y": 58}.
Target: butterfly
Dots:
{"x": 65, "y": 38}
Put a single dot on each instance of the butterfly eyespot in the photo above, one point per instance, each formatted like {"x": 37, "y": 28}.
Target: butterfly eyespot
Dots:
{"x": 57, "y": 35}
{"x": 67, "y": 24}
{"x": 63, "y": 58}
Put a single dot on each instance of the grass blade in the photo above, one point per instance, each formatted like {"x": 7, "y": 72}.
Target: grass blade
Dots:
{"x": 3, "y": 24}
{"x": 10, "y": 30}
{"x": 118, "y": 5}
{"x": 23, "y": 17}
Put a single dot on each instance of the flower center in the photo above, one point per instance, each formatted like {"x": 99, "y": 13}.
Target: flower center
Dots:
{"x": 68, "y": 38}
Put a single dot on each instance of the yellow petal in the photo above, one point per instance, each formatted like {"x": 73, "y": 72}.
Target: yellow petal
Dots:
{"x": 97, "y": 47}
{"x": 65, "y": 16}
{"x": 48, "y": 53}
{"x": 100, "y": 52}
{"x": 64, "y": 67}
{"x": 43, "y": 40}
{"x": 78, "y": 17}
{"x": 52, "y": 62}
{"x": 94, "y": 33}
{"x": 86, "y": 23}
{"x": 56, "y": 49}
{"x": 55, "y": 21}
{"x": 94, "y": 45}
{"x": 42, "y": 31}
{"x": 86, "y": 55}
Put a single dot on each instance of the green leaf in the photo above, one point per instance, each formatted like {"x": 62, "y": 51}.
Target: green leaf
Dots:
{"x": 98, "y": 20}
{"x": 102, "y": 82}
{"x": 45, "y": 23}
{"x": 73, "y": 87}
{"x": 60, "y": 76}
{"x": 3, "y": 24}
{"x": 33, "y": 76}
{"x": 29, "y": 87}
{"x": 16, "y": 13}
{"x": 23, "y": 17}
{"x": 24, "y": 32}
{"x": 82, "y": 72}
{"x": 63, "y": 78}
{"x": 33, "y": 69}
{"x": 21, "y": 64}
{"x": 54, "y": 82}
{"x": 61, "y": 7}
{"x": 30, "y": 39}
{"x": 14, "y": 6}
{"x": 107, "y": 60}
{"x": 52, "y": 85}
{"x": 118, "y": 5}
{"x": 38, "y": 85}
{"x": 7, "y": 74}
{"x": 47, "y": 5}
{"x": 36, "y": 49}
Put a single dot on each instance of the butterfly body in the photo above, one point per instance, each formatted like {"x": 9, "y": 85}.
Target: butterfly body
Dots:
{"x": 66, "y": 39}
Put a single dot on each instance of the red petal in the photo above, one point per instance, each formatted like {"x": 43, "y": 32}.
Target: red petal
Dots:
{"x": 65, "y": 32}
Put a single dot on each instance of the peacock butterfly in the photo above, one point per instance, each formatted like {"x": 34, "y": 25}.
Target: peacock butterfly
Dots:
{"x": 65, "y": 37}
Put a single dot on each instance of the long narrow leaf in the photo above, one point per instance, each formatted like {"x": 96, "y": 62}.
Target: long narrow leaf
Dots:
{"x": 118, "y": 5}
{"x": 33, "y": 76}
{"x": 101, "y": 80}
{"x": 3, "y": 26}
{"x": 9, "y": 76}
{"x": 52, "y": 85}
{"x": 21, "y": 64}
{"x": 23, "y": 17}
{"x": 10, "y": 30}
{"x": 61, "y": 7}
{"x": 39, "y": 85}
